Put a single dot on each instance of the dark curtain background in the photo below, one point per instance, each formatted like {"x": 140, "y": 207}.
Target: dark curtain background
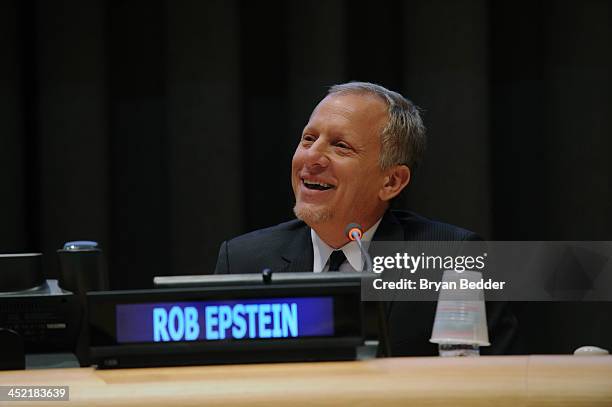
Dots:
{"x": 160, "y": 128}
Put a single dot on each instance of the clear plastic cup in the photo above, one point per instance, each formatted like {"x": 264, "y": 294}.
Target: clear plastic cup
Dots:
{"x": 460, "y": 324}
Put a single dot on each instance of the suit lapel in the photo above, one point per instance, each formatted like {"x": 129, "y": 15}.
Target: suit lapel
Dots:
{"x": 297, "y": 253}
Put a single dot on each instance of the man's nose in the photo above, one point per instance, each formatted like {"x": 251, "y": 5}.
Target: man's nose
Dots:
{"x": 317, "y": 155}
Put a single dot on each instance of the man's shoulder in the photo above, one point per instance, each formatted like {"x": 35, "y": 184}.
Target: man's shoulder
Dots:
{"x": 271, "y": 248}
{"x": 419, "y": 227}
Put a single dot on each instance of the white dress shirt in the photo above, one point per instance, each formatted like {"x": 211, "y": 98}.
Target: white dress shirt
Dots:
{"x": 322, "y": 251}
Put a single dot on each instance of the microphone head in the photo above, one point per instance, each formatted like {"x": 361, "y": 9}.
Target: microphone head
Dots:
{"x": 353, "y": 228}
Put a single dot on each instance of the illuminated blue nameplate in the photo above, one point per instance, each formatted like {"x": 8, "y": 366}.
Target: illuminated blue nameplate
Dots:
{"x": 225, "y": 320}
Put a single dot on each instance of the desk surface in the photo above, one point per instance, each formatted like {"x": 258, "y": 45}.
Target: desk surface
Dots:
{"x": 502, "y": 380}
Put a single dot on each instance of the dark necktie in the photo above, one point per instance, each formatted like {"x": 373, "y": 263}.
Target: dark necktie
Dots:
{"x": 336, "y": 259}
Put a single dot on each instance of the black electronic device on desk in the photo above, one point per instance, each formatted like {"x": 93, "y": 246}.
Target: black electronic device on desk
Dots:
{"x": 46, "y": 317}
{"x": 36, "y": 315}
{"x": 228, "y": 319}
{"x": 40, "y": 316}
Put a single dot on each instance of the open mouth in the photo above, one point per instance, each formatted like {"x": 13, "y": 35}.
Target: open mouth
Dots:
{"x": 317, "y": 186}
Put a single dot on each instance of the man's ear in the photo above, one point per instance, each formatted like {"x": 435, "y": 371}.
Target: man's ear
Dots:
{"x": 396, "y": 179}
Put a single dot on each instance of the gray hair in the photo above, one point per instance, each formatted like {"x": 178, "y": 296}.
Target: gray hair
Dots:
{"x": 403, "y": 138}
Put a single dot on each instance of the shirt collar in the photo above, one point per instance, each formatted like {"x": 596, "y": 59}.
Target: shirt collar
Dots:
{"x": 322, "y": 250}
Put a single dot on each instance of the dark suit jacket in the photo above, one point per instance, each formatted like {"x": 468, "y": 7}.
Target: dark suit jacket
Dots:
{"x": 288, "y": 248}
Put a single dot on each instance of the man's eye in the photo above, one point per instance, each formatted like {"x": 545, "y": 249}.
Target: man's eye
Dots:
{"x": 308, "y": 138}
{"x": 343, "y": 146}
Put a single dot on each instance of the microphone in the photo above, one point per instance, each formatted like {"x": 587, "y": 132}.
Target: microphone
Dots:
{"x": 354, "y": 231}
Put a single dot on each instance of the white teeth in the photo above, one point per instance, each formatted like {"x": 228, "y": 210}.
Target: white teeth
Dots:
{"x": 317, "y": 183}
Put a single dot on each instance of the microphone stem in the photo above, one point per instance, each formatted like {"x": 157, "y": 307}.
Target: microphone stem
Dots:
{"x": 364, "y": 253}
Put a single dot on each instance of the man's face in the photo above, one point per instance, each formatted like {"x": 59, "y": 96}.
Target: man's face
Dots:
{"x": 336, "y": 175}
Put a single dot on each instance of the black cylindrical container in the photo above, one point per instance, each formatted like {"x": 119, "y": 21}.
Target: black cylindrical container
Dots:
{"x": 82, "y": 267}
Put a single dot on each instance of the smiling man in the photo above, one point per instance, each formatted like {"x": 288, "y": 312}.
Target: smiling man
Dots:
{"x": 356, "y": 154}
{"x": 338, "y": 174}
